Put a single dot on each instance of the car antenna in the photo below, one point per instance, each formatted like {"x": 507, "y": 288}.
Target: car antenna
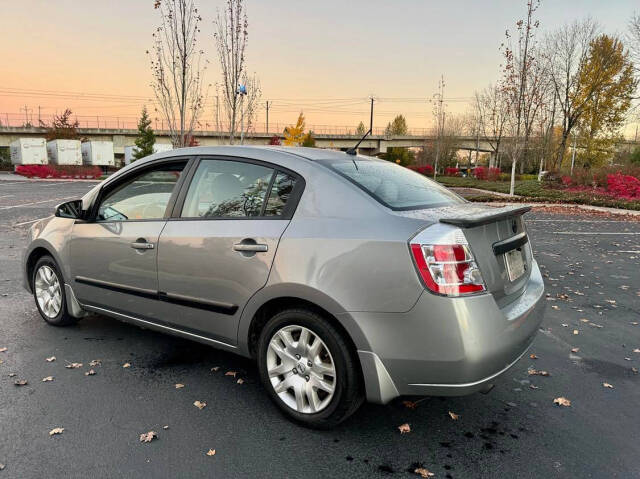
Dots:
{"x": 353, "y": 151}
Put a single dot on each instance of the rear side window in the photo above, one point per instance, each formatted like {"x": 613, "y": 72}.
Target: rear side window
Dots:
{"x": 394, "y": 186}
{"x": 237, "y": 189}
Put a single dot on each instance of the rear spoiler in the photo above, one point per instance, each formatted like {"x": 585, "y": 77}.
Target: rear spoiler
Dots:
{"x": 485, "y": 217}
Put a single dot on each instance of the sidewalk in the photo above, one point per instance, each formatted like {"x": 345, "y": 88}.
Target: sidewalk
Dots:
{"x": 10, "y": 176}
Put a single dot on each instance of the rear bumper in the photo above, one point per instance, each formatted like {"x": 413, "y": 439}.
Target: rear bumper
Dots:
{"x": 448, "y": 346}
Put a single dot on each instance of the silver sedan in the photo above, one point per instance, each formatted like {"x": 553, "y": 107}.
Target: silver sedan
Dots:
{"x": 347, "y": 278}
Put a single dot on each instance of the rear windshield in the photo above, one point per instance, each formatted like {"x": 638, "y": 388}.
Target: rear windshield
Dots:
{"x": 394, "y": 186}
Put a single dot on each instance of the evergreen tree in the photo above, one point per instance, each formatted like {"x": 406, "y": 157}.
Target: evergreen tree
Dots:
{"x": 146, "y": 137}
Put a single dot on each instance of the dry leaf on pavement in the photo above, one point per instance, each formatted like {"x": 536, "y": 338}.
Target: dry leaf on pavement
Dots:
{"x": 148, "y": 437}
{"x": 535, "y": 372}
{"x": 179, "y": 386}
{"x": 21, "y": 382}
{"x": 575, "y": 350}
{"x": 214, "y": 369}
{"x": 2, "y": 350}
{"x": 575, "y": 331}
{"x": 200, "y": 404}
{"x": 73, "y": 365}
{"x": 231, "y": 373}
{"x": 1, "y": 466}
{"x": 90, "y": 372}
{"x": 533, "y": 356}
{"x": 240, "y": 381}
{"x": 561, "y": 401}
{"x": 95, "y": 362}
{"x": 410, "y": 404}
{"x": 454, "y": 416}
{"x": 607, "y": 385}
{"x": 51, "y": 359}
{"x": 421, "y": 471}
{"x": 637, "y": 350}
{"x": 404, "y": 428}
{"x": 211, "y": 452}
{"x": 56, "y": 430}
{"x": 126, "y": 365}
{"x": 47, "y": 379}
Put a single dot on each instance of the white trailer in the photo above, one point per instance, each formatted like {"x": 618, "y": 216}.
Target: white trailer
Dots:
{"x": 64, "y": 152}
{"x": 98, "y": 153}
{"x": 129, "y": 151}
{"x": 29, "y": 151}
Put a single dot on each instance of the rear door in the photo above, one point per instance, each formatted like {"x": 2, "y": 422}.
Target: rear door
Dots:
{"x": 114, "y": 256}
{"x": 217, "y": 249}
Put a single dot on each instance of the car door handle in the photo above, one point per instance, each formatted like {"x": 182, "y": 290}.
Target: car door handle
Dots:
{"x": 139, "y": 245}
{"x": 251, "y": 247}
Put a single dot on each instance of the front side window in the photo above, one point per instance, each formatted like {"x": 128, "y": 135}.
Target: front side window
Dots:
{"x": 144, "y": 197}
{"x": 394, "y": 186}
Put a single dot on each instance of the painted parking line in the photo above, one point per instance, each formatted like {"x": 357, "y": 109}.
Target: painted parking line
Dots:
{"x": 26, "y": 222}
{"x": 596, "y": 233}
{"x": 37, "y": 203}
{"x": 573, "y": 221}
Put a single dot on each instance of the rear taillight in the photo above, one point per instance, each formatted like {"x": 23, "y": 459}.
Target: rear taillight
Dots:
{"x": 448, "y": 269}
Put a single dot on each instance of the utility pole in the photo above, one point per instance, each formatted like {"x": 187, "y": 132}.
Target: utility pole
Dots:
{"x": 439, "y": 97}
{"x": 267, "y": 118}
{"x": 217, "y": 114}
{"x": 39, "y": 116}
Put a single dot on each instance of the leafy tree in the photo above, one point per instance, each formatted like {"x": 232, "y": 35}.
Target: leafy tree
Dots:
{"x": 146, "y": 137}
{"x": 635, "y": 156}
{"x": 604, "y": 109}
{"x": 308, "y": 140}
{"x": 397, "y": 127}
{"x": 293, "y": 135}
{"x": 401, "y": 156}
{"x": 361, "y": 130}
{"x": 62, "y": 127}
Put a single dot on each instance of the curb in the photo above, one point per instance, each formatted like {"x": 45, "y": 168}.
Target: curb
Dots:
{"x": 603, "y": 209}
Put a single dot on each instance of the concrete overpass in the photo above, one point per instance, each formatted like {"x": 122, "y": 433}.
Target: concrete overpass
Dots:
{"x": 372, "y": 145}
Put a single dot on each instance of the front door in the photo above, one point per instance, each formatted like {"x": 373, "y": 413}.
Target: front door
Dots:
{"x": 114, "y": 257}
{"x": 217, "y": 252}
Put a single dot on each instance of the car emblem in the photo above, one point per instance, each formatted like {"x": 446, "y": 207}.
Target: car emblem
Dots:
{"x": 301, "y": 368}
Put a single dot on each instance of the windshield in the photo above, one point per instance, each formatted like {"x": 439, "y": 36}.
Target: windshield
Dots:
{"x": 394, "y": 186}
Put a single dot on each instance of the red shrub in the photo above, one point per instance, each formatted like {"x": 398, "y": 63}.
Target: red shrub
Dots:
{"x": 623, "y": 186}
{"x": 426, "y": 170}
{"x": 275, "y": 140}
{"x": 55, "y": 171}
{"x": 493, "y": 174}
{"x": 567, "y": 180}
{"x": 480, "y": 172}
{"x": 449, "y": 171}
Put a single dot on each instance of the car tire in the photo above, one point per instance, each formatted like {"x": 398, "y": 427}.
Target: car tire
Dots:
{"x": 328, "y": 363}
{"x": 49, "y": 293}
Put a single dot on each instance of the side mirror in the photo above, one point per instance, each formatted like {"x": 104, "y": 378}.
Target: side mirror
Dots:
{"x": 70, "y": 209}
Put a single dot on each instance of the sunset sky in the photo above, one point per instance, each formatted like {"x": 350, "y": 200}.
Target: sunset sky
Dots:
{"x": 324, "y": 58}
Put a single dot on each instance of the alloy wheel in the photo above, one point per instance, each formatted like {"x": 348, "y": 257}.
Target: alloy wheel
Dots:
{"x": 48, "y": 291}
{"x": 301, "y": 369}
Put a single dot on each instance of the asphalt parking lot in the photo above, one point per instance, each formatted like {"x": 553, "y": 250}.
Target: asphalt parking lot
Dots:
{"x": 591, "y": 265}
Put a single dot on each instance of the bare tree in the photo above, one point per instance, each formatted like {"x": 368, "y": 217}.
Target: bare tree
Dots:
{"x": 177, "y": 67}
{"x": 517, "y": 71}
{"x": 494, "y": 113}
{"x": 231, "y": 41}
{"x": 633, "y": 38}
{"x": 567, "y": 50}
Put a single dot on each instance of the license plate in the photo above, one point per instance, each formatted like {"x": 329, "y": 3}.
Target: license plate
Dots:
{"x": 515, "y": 264}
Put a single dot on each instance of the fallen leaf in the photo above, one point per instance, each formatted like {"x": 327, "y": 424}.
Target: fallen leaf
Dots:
{"x": 11, "y": 375}
{"x": 148, "y": 437}
{"x": 404, "y": 428}
{"x": 637, "y": 350}
{"x": 634, "y": 370}
{"x": 47, "y": 379}
{"x": 607, "y": 385}
{"x": 165, "y": 427}
{"x": 21, "y": 382}
{"x": 240, "y": 381}
{"x": 231, "y": 373}
{"x": 410, "y": 404}
{"x": 126, "y": 365}
{"x": 211, "y": 452}
{"x": 90, "y": 372}
{"x": 634, "y": 323}
{"x": 95, "y": 362}
{"x": 454, "y": 416}
{"x": 2, "y": 350}
{"x": 561, "y": 401}
{"x": 575, "y": 331}
{"x": 214, "y": 369}
{"x": 56, "y": 430}
{"x": 533, "y": 386}
{"x": 533, "y": 356}
{"x": 179, "y": 386}
{"x": 584, "y": 320}
{"x": 535, "y": 372}
{"x": 200, "y": 405}
{"x": 421, "y": 471}
{"x": 51, "y": 359}
{"x": 73, "y": 365}
{"x": 1, "y": 466}
{"x": 555, "y": 307}
{"x": 575, "y": 350}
